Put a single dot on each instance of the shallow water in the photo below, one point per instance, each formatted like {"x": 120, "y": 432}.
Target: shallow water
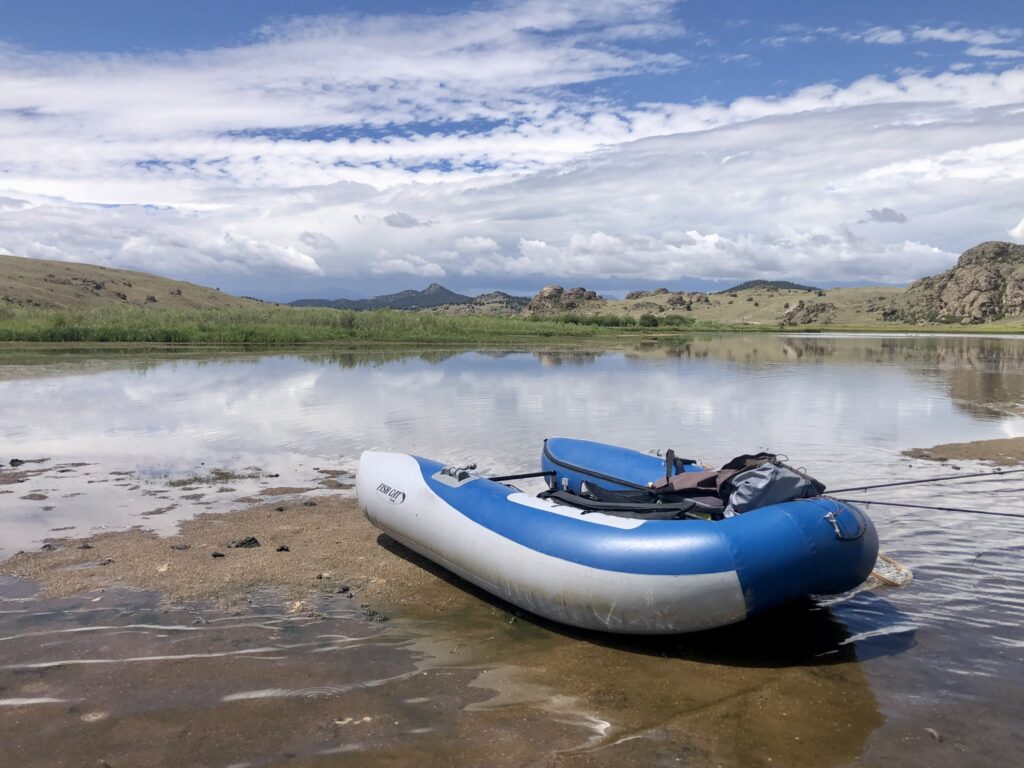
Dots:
{"x": 931, "y": 674}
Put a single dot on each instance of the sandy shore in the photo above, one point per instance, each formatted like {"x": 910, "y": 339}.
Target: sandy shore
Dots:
{"x": 1005, "y": 452}
{"x": 330, "y": 549}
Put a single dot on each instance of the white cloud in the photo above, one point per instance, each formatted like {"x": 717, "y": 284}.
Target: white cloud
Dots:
{"x": 994, "y": 53}
{"x": 951, "y": 34}
{"x": 884, "y": 36}
{"x": 475, "y": 245}
{"x": 460, "y": 144}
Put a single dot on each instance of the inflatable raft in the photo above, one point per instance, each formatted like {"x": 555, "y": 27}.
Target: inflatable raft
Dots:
{"x": 610, "y": 571}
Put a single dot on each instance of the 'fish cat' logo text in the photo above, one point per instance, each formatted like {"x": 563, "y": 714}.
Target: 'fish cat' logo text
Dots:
{"x": 393, "y": 495}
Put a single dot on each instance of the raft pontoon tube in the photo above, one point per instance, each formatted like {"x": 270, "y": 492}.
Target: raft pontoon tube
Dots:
{"x": 607, "y": 572}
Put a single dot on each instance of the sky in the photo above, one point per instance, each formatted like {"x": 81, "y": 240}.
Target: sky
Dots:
{"x": 317, "y": 148}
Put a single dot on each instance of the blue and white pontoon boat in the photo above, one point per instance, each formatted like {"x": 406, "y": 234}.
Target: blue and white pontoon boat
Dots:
{"x": 580, "y": 556}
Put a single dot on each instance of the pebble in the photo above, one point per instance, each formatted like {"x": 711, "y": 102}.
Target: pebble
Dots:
{"x": 106, "y": 561}
{"x": 49, "y": 547}
{"x": 180, "y": 547}
{"x": 283, "y": 548}
{"x": 247, "y": 543}
{"x": 217, "y": 554}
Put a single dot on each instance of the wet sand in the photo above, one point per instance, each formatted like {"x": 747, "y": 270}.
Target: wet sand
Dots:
{"x": 1005, "y": 452}
{"x": 585, "y": 699}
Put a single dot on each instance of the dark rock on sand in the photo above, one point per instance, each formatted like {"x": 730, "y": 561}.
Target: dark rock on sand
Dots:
{"x": 180, "y": 547}
{"x": 48, "y": 547}
{"x": 371, "y": 615}
{"x": 245, "y": 543}
{"x": 283, "y": 548}
{"x": 217, "y": 554}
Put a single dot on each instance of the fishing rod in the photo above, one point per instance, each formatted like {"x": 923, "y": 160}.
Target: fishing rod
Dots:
{"x": 925, "y": 506}
{"x": 994, "y": 473}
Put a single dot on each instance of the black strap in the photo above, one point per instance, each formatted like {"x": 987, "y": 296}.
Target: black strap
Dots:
{"x": 639, "y": 508}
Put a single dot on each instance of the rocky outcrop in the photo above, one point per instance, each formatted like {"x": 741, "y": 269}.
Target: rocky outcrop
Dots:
{"x": 684, "y": 300}
{"x": 647, "y": 294}
{"x": 554, "y": 298}
{"x": 986, "y": 284}
{"x": 676, "y": 299}
{"x": 806, "y": 312}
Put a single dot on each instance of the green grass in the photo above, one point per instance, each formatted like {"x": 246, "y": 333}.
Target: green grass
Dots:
{"x": 274, "y": 326}
{"x": 281, "y": 326}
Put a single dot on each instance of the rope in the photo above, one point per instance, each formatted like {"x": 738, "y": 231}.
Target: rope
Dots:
{"x": 928, "y": 480}
{"x": 925, "y": 506}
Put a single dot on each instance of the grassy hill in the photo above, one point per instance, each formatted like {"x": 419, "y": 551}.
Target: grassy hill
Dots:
{"x": 51, "y": 301}
{"x": 769, "y": 306}
{"x": 41, "y": 284}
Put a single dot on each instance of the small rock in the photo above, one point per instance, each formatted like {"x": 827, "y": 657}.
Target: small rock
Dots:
{"x": 180, "y": 547}
{"x": 247, "y": 543}
{"x": 85, "y": 545}
{"x": 279, "y": 509}
{"x": 342, "y": 590}
{"x": 283, "y": 548}
{"x": 163, "y": 568}
{"x": 48, "y": 547}
{"x": 106, "y": 561}
{"x": 217, "y": 554}
{"x": 934, "y": 734}
{"x": 17, "y": 462}
{"x": 371, "y": 615}
{"x": 309, "y": 503}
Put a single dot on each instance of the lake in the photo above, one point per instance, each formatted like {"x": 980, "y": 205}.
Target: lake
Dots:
{"x": 929, "y": 674}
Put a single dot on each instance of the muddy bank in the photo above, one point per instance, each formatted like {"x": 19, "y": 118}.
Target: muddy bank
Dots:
{"x": 1005, "y": 452}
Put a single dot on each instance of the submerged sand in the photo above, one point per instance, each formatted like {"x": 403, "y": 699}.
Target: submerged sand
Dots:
{"x": 1005, "y": 452}
{"x": 711, "y": 698}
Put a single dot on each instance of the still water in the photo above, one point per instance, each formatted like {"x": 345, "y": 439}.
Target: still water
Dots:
{"x": 931, "y": 674}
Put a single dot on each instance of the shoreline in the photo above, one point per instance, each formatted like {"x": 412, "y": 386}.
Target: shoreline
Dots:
{"x": 1005, "y": 452}
{"x": 531, "y": 339}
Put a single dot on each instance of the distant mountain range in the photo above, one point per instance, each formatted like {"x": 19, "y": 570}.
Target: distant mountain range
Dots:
{"x": 782, "y": 285}
{"x": 434, "y": 295}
